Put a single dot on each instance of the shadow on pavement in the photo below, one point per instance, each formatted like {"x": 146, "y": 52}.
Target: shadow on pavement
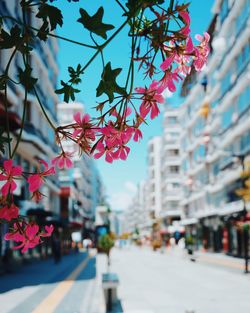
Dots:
{"x": 47, "y": 272}
{"x": 117, "y": 307}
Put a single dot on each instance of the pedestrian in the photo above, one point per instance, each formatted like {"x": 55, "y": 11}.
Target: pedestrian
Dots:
{"x": 190, "y": 247}
{"x": 56, "y": 247}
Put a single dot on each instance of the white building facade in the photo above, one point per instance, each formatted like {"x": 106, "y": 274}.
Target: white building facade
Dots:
{"x": 154, "y": 175}
{"x": 215, "y": 140}
{"x": 171, "y": 191}
{"x": 38, "y": 138}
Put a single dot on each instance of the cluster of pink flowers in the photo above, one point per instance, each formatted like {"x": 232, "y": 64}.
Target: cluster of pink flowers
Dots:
{"x": 115, "y": 137}
{"x": 110, "y": 134}
{"x": 27, "y": 234}
{"x": 110, "y": 137}
{"x": 179, "y": 55}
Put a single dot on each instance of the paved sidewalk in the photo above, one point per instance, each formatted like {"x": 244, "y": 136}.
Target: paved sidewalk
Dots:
{"x": 72, "y": 286}
{"x": 93, "y": 301}
{"x": 220, "y": 260}
{"x": 167, "y": 282}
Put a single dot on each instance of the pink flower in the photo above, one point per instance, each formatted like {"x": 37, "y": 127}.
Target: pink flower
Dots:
{"x": 28, "y": 236}
{"x": 137, "y": 134}
{"x": 186, "y": 19}
{"x": 9, "y": 212}
{"x": 167, "y": 81}
{"x": 49, "y": 230}
{"x": 183, "y": 67}
{"x": 201, "y": 51}
{"x": 189, "y": 45}
{"x": 37, "y": 196}
{"x": 104, "y": 150}
{"x": 121, "y": 153}
{"x": 151, "y": 96}
{"x": 168, "y": 62}
{"x": 83, "y": 127}
{"x": 63, "y": 160}
{"x": 36, "y": 180}
{"x": 10, "y": 173}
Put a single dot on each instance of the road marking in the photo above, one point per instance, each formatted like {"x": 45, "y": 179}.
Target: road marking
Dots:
{"x": 50, "y": 303}
{"x": 221, "y": 262}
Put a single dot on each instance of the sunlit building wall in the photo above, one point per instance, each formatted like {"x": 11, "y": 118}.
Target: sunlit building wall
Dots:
{"x": 170, "y": 166}
{"x": 38, "y": 140}
{"x": 154, "y": 175}
{"x": 216, "y": 132}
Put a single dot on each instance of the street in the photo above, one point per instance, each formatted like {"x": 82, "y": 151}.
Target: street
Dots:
{"x": 69, "y": 286}
{"x": 154, "y": 282}
{"x": 150, "y": 282}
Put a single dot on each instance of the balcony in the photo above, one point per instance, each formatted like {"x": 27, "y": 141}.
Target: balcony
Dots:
{"x": 173, "y": 195}
{"x": 231, "y": 207}
{"x": 229, "y": 175}
{"x": 14, "y": 119}
{"x": 171, "y": 160}
{"x": 172, "y": 178}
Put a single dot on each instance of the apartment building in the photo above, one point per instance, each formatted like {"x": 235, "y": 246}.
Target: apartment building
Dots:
{"x": 37, "y": 137}
{"x": 215, "y": 139}
{"x": 154, "y": 175}
{"x": 171, "y": 191}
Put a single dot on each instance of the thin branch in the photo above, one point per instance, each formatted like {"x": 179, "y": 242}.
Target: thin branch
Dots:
{"x": 50, "y": 34}
{"x": 43, "y": 110}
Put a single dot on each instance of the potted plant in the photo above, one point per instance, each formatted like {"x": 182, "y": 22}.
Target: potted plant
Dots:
{"x": 105, "y": 244}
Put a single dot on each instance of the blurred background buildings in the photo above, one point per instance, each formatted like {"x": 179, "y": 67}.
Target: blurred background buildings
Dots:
{"x": 69, "y": 200}
{"x": 194, "y": 167}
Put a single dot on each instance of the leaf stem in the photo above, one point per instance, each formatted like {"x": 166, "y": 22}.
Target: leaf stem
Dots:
{"x": 43, "y": 110}
{"x": 50, "y": 34}
{"x": 101, "y": 47}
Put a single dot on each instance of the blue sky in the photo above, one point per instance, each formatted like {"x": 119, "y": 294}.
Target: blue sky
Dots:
{"x": 120, "y": 178}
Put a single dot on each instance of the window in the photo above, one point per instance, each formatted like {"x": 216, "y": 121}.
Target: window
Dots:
{"x": 227, "y": 118}
{"x": 243, "y": 16}
{"x": 174, "y": 169}
{"x": 172, "y": 120}
{"x": 224, "y": 10}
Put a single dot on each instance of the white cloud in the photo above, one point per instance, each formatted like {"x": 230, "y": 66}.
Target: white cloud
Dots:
{"x": 167, "y": 94}
{"x": 122, "y": 199}
{"x": 130, "y": 186}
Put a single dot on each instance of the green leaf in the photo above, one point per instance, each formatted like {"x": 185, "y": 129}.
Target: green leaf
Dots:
{"x": 3, "y": 140}
{"x": 68, "y": 91}
{"x": 75, "y": 74}
{"x": 134, "y": 6}
{"x": 50, "y": 14}
{"x": 14, "y": 39}
{"x": 26, "y": 79}
{"x": 43, "y": 31}
{"x": 3, "y": 81}
{"x": 8, "y": 41}
{"x": 94, "y": 23}
{"x": 108, "y": 83}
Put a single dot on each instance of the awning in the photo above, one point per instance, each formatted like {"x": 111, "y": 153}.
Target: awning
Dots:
{"x": 14, "y": 119}
{"x": 75, "y": 225}
{"x": 39, "y": 213}
{"x": 188, "y": 221}
{"x": 231, "y": 207}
